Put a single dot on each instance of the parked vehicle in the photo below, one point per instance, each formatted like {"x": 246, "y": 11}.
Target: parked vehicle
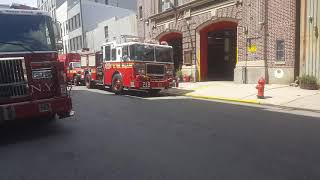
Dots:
{"x": 32, "y": 80}
{"x": 130, "y": 66}
{"x": 72, "y": 67}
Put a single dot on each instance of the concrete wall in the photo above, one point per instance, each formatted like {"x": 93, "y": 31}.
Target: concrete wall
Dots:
{"x": 116, "y": 28}
{"x": 94, "y": 13}
{"x": 71, "y": 13}
{"x": 62, "y": 17}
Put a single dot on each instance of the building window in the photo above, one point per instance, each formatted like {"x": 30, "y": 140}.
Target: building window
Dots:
{"x": 76, "y": 43}
{"x": 73, "y": 23}
{"x": 187, "y": 57}
{"x": 167, "y": 4}
{"x": 140, "y": 12}
{"x": 280, "y": 50}
{"x": 106, "y": 32}
{"x": 76, "y": 22}
{"x": 67, "y": 26}
{"x": 79, "y": 20}
{"x": 80, "y": 39}
{"x": 106, "y": 2}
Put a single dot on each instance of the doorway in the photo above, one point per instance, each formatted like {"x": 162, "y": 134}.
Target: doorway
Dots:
{"x": 218, "y": 48}
{"x": 174, "y": 39}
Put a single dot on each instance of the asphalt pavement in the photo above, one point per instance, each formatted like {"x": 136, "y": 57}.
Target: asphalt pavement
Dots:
{"x": 136, "y": 137}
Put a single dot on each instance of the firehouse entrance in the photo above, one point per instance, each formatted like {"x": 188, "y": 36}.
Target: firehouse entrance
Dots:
{"x": 218, "y": 44}
{"x": 174, "y": 39}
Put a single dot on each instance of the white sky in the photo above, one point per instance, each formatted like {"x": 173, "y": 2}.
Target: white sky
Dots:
{"x": 32, "y": 3}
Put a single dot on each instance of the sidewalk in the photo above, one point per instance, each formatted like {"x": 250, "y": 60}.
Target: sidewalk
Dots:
{"x": 277, "y": 95}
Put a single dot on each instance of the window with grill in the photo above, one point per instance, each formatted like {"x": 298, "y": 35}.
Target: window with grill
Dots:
{"x": 167, "y": 4}
{"x": 280, "y": 54}
{"x": 187, "y": 57}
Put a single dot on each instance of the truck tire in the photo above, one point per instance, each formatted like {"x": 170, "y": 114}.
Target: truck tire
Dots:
{"x": 117, "y": 84}
{"x": 76, "y": 81}
{"x": 154, "y": 92}
{"x": 88, "y": 82}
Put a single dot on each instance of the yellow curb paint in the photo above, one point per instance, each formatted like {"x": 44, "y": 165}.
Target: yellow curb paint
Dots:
{"x": 224, "y": 99}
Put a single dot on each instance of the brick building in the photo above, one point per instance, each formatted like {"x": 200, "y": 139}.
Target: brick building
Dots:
{"x": 236, "y": 40}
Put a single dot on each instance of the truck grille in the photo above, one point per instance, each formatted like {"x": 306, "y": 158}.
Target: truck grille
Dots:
{"x": 13, "y": 78}
{"x": 155, "y": 69}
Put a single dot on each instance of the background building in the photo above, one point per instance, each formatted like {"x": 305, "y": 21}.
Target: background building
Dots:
{"x": 309, "y": 38}
{"x": 239, "y": 40}
{"x": 113, "y": 29}
{"x": 83, "y": 16}
{"x": 51, "y": 5}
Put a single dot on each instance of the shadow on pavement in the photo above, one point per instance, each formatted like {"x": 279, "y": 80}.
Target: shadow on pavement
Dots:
{"x": 141, "y": 94}
{"x": 12, "y": 132}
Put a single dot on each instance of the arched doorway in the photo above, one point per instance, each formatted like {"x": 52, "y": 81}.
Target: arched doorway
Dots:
{"x": 218, "y": 47}
{"x": 174, "y": 39}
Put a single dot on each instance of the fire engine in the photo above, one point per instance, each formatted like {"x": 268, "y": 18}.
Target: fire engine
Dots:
{"x": 130, "y": 66}
{"x": 72, "y": 67}
{"x": 32, "y": 81}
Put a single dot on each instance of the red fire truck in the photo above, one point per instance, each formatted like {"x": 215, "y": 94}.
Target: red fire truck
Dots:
{"x": 32, "y": 81}
{"x": 130, "y": 66}
{"x": 72, "y": 67}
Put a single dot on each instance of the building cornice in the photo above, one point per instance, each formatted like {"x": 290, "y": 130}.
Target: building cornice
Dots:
{"x": 186, "y": 6}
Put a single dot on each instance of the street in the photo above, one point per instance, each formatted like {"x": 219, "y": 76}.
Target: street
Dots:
{"x": 162, "y": 138}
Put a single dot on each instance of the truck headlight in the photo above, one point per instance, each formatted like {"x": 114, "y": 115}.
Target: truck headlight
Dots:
{"x": 169, "y": 72}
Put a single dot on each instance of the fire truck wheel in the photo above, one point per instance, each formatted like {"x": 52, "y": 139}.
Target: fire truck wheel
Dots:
{"x": 154, "y": 92}
{"x": 76, "y": 81}
{"x": 50, "y": 118}
{"x": 88, "y": 82}
{"x": 117, "y": 84}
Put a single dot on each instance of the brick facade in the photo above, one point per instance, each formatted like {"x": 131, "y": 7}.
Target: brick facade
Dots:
{"x": 260, "y": 23}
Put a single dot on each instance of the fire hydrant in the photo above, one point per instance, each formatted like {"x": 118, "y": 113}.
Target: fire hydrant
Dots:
{"x": 260, "y": 87}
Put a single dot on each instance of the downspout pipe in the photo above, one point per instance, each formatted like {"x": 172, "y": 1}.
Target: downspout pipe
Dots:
{"x": 265, "y": 56}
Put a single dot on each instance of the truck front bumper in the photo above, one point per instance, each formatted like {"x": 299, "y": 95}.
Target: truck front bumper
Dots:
{"x": 61, "y": 106}
{"x": 149, "y": 85}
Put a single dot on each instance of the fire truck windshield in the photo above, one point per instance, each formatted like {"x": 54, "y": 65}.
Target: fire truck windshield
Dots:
{"x": 140, "y": 52}
{"x": 26, "y": 32}
{"x": 164, "y": 54}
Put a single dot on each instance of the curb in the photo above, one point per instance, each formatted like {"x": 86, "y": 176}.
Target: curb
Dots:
{"x": 256, "y": 102}
{"x": 224, "y": 99}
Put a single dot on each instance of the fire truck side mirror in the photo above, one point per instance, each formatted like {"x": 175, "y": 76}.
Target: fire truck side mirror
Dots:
{"x": 57, "y": 30}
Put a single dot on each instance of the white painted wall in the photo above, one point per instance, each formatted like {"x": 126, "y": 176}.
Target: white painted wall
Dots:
{"x": 62, "y": 17}
{"x": 94, "y": 13}
{"x": 117, "y": 27}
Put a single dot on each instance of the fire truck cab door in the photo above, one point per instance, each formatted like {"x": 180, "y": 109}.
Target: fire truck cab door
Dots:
{"x": 100, "y": 67}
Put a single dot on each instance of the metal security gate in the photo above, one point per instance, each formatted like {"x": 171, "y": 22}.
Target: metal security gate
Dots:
{"x": 310, "y": 40}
